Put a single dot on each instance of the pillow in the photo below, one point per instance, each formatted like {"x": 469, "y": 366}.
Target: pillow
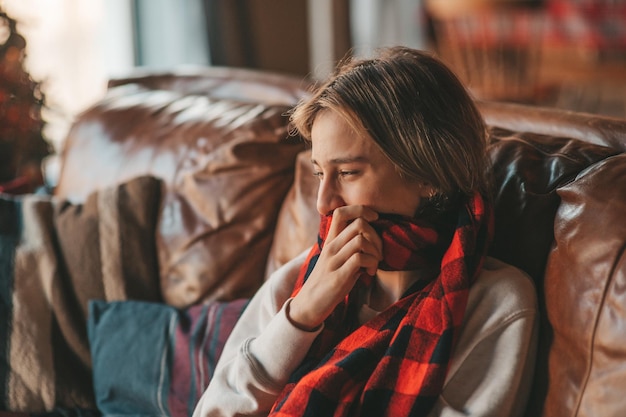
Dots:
{"x": 531, "y": 172}
{"x": 109, "y": 242}
{"x": 54, "y": 257}
{"x": 584, "y": 283}
{"x": 528, "y": 168}
{"x": 154, "y": 359}
{"x": 217, "y": 223}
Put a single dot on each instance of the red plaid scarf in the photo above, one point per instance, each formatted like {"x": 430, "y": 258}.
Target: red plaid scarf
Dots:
{"x": 396, "y": 363}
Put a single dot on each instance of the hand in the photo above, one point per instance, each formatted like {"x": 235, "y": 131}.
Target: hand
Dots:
{"x": 352, "y": 246}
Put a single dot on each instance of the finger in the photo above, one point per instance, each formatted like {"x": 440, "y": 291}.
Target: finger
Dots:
{"x": 366, "y": 232}
{"x": 359, "y": 233}
{"x": 374, "y": 238}
{"x": 359, "y": 243}
{"x": 351, "y": 241}
{"x": 361, "y": 262}
{"x": 338, "y": 255}
{"x": 344, "y": 216}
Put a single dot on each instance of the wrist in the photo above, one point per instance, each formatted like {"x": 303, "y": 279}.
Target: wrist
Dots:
{"x": 298, "y": 323}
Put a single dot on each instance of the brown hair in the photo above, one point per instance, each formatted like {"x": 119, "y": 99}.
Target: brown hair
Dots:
{"x": 415, "y": 109}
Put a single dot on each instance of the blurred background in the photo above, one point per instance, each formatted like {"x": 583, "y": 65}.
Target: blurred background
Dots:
{"x": 56, "y": 56}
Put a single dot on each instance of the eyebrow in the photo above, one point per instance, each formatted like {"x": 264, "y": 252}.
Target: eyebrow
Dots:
{"x": 347, "y": 160}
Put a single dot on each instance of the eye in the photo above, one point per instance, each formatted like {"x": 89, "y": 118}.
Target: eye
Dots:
{"x": 318, "y": 174}
{"x": 346, "y": 173}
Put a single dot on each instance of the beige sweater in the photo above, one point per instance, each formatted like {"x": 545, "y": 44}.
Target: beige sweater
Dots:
{"x": 490, "y": 371}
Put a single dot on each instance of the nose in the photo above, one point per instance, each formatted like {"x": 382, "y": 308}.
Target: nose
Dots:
{"x": 328, "y": 197}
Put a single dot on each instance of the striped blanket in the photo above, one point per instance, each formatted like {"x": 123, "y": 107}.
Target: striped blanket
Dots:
{"x": 54, "y": 258}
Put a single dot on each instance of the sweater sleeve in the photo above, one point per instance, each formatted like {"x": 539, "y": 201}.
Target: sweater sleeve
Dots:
{"x": 493, "y": 363}
{"x": 261, "y": 353}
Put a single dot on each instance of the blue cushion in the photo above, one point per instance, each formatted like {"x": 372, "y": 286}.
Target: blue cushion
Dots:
{"x": 153, "y": 359}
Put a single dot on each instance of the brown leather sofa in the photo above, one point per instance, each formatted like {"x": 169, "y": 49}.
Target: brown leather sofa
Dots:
{"x": 239, "y": 201}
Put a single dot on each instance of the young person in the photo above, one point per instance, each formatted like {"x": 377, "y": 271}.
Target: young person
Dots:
{"x": 397, "y": 310}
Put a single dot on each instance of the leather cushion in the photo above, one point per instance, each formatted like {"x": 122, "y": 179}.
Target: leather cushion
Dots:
{"x": 226, "y": 164}
{"x": 217, "y": 226}
{"x": 527, "y": 170}
{"x": 585, "y": 281}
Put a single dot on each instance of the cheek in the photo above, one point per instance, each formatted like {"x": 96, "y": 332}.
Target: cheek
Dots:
{"x": 357, "y": 196}
{"x": 399, "y": 199}
{"x": 371, "y": 194}
{"x": 355, "y": 193}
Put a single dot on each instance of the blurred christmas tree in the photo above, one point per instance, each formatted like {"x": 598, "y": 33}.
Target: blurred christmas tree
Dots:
{"x": 22, "y": 144}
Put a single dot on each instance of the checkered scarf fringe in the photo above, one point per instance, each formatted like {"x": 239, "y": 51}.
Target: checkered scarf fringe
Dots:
{"x": 396, "y": 363}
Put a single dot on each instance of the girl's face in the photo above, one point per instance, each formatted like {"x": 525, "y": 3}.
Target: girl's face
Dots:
{"x": 353, "y": 171}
